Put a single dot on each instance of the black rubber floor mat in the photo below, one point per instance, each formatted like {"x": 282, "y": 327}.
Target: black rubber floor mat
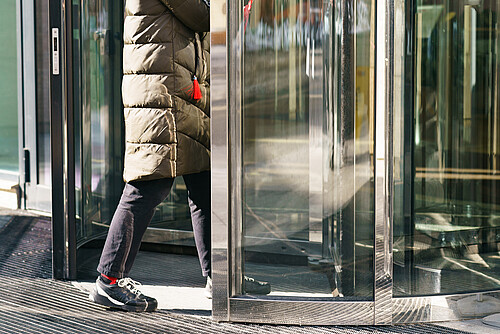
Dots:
{"x": 34, "y": 303}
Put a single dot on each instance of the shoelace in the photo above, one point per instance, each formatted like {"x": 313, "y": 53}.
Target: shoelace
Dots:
{"x": 130, "y": 284}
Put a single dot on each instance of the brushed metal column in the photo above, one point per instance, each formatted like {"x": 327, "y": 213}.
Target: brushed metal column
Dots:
{"x": 220, "y": 160}
{"x": 383, "y": 166}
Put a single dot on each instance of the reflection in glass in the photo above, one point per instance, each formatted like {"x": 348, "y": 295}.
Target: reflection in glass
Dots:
{"x": 451, "y": 241}
{"x": 9, "y": 155}
{"x": 306, "y": 136}
{"x": 99, "y": 136}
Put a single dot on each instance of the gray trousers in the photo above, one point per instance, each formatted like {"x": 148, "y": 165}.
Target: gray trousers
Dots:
{"x": 134, "y": 213}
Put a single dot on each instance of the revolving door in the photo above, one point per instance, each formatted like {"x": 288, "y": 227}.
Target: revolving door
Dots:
{"x": 354, "y": 160}
{"x": 354, "y": 156}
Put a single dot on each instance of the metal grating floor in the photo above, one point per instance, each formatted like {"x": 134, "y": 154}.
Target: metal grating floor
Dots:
{"x": 34, "y": 303}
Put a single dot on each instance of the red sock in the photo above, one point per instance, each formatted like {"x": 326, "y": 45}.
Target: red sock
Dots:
{"x": 112, "y": 279}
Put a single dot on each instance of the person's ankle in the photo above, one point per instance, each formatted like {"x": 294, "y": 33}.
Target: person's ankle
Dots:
{"x": 108, "y": 279}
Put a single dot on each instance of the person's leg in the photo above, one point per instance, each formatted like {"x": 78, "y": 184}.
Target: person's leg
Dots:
{"x": 198, "y": 186}
{"x": 131, "y": 218}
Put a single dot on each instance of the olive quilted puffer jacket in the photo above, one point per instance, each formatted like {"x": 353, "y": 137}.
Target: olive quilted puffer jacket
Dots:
{"x": 167, "y": 43}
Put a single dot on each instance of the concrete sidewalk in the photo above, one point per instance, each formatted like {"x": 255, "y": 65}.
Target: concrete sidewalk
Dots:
{"x": 34, "y": 303}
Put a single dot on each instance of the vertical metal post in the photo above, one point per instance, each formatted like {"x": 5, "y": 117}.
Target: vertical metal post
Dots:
{"x": 27, "y": 95}
{"x": 56, "y": 159}
{"x": 235, "y": 76}
{"x": 62, "y": 149}
{"x": 221, "y": 224}
{"x": 68, "y": 139}
{"x": 383, "y": 166}
{"x": 20, "y": 99}
{"x": 347, "y": 216}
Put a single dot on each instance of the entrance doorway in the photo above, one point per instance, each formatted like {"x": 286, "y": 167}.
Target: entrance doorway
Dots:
{"x": 95, "y": 128}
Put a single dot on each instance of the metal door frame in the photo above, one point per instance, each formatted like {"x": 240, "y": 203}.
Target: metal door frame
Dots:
{"x": 33, "y": 195}
{"x": 62, "y": 141}
{"x": 226, "y": 84}
{"x": 58, "y": 197}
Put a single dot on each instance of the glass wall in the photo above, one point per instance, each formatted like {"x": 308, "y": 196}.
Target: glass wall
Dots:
{"x": 447, "y": 237}
{"x": 9, "y": 154}
{"x": 306, "y": 136}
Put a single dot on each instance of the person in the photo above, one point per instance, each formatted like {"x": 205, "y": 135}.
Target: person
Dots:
{"x": 166, "y": 98}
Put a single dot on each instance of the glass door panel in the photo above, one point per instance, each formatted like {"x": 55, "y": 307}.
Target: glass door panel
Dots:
{"x": 36, "y": 108}
{"x": 306, "y": 139}
{"x": 99, "y": 129}
{"x": 41, "y": 160}
{"x": 9, "y": 150}
{"x": 455, "y": 217}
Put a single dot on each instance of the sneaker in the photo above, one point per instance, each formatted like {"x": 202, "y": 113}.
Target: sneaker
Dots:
{"x": 123, "y": 295}
{"x": 252, "y": 286}
{"x": 208, "y": 288}
{"x": 336, "y": 293}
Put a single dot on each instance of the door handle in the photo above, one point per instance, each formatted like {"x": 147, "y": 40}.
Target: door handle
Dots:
{"x": 55, "y": 51}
